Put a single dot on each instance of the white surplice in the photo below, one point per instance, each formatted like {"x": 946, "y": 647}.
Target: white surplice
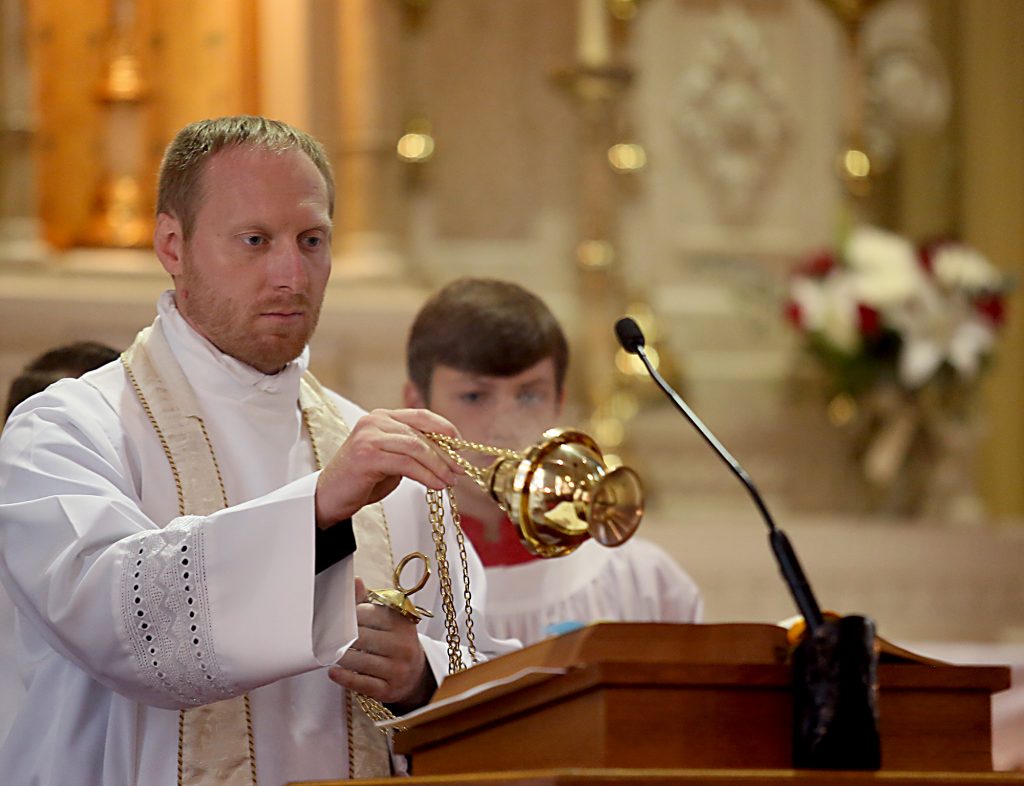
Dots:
{"x": 634, "y": 582}
{"x": 87, "y": 501}
{"x": 11, "y": 689}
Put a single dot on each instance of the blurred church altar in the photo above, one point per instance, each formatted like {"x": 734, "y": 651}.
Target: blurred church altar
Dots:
{"x": 671, "y": 158}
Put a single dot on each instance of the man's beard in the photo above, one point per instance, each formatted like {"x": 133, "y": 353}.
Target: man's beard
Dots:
{"x": 233, "y": 326}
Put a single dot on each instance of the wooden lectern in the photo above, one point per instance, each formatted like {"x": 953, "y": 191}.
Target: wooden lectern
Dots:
{"x": 684, "y": 699}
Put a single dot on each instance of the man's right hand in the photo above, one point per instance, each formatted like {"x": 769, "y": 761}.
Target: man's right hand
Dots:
{"x": 384, "y": 447}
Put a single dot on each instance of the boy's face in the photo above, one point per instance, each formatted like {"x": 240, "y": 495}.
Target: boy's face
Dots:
{"x": 507, "y": 412}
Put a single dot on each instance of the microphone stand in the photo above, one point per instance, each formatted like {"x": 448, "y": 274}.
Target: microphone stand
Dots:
{"x": 835, "y": 667}
{"x": 632, "y": 341}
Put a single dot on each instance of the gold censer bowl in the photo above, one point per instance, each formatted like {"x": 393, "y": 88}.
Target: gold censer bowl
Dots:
{"x": 559, "y": 492}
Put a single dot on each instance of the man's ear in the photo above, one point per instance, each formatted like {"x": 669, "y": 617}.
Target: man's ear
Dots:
{"x": 169, "y": 243}
{"x": 560, "y": 402}
{"x": 411, "y": 397}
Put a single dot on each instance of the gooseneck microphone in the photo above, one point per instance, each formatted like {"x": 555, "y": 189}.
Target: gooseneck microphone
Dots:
{"x": 632, "y": 340}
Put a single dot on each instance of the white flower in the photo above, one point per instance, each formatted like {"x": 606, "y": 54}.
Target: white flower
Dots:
{"x": 829, "y": 306}
{"x": 957, "y": 266}
{"x": 883, "y": 266}
{"x": 935, "y": 329}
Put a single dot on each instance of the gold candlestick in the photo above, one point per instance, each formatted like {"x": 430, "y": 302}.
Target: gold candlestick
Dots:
{"x": 597, "y": 84}
{"x": 854, "y": 163}
{"x": 120, "y": 216}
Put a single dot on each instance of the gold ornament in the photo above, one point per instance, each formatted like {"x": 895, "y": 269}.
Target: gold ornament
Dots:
{"x": 397, "y": 598}
{"x": 559, "y": 492}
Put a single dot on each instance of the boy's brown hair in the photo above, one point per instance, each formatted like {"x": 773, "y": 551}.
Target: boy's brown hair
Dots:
{"x": 484, "y": 326}
{"x": 70, "y": 360}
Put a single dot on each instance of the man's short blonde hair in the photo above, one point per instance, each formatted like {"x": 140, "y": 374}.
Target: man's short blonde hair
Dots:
{"x": 180, "y": 186}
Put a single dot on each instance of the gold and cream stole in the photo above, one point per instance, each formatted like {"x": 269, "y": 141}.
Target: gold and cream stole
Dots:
{"x": 216, "y": 745}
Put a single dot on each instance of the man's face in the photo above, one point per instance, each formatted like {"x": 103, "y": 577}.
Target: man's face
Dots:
{"x": 508, "y": 412}
{"x": 252, "y": 276}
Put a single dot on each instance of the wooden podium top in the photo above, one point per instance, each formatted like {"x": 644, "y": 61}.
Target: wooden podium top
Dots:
{"x": 700, "y": 703}
{"x": 651, "y": 654}
{"x": 633, "y": 642}
{"x": 662, "y": 777}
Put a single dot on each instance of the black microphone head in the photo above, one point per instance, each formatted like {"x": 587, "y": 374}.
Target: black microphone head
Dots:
{"x": 629, "y": 334}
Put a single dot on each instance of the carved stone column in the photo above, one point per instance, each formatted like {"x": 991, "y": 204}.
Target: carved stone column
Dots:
{"x": 286, "y": 82}
{"x": 204, "y": 65}
{"x": 991, "y": 109}
{"x": 19, "y": 230}
{"x": 367, "y": 239}
{"x": 601, "y": 288}
{"x": 599, "y": 84}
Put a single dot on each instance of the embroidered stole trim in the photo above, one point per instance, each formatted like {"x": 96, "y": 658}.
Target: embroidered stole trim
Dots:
{"x": 216, "y": 742}
{"x": 374, "y": 564}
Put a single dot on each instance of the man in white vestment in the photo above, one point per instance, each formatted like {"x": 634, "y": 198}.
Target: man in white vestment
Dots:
{"x": 184, "y": 572}
{"x": 491, "y": 358}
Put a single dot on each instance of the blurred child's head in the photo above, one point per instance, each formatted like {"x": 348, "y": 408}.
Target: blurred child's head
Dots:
{"x": 490, "y": 357}
{"x": 70, "y": 360}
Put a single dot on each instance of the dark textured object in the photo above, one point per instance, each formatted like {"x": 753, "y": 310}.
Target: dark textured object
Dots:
{"x": 835, "y": 697}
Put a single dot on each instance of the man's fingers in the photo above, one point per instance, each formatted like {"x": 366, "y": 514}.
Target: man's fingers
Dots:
{"x": 421, "y": 422}
{"x": 394, "y": 439}
{"x": 366, "y": 664}
{"x": 383, "y": 447}
{"x": 361, "y": 594}
{"x": 425, "y": 421}
{"x": 373, "y": 675}
{"x": 414, "y": 424}
{"x": 428, "y": 468}
{"x": 385, "y": 631}
{"x": 373, "y": 687}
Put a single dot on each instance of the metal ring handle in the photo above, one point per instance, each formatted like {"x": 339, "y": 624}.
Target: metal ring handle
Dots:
{"x": 401, "y": 566}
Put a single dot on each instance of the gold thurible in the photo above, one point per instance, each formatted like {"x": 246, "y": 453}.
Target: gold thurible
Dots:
{"x": 559, "y": 492}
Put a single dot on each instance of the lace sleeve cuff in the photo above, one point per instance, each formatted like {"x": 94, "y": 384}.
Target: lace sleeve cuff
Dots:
{"x": 166, "y": 615}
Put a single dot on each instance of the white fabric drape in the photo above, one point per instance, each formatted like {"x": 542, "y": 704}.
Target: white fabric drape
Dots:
{"x": 635, "y": 582}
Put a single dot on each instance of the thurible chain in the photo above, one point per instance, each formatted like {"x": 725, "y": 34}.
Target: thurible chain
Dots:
{"x": 451, "y": 624}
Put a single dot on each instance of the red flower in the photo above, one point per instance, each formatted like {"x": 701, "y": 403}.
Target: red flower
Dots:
{"x": 794, "y": 315}
{"x": 818, "y": 266}
{"x": 869, "y": 321}
{"x": 992, "y": 308}
{"x": 926, "y": 252}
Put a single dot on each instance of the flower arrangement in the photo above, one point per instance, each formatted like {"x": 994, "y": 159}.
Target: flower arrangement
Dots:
{"x": 882, "y": 311}
{"x": 902, "y": 334}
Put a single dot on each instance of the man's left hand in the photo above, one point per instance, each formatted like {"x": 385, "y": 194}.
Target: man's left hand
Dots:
{"x": 386, "y": 662}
